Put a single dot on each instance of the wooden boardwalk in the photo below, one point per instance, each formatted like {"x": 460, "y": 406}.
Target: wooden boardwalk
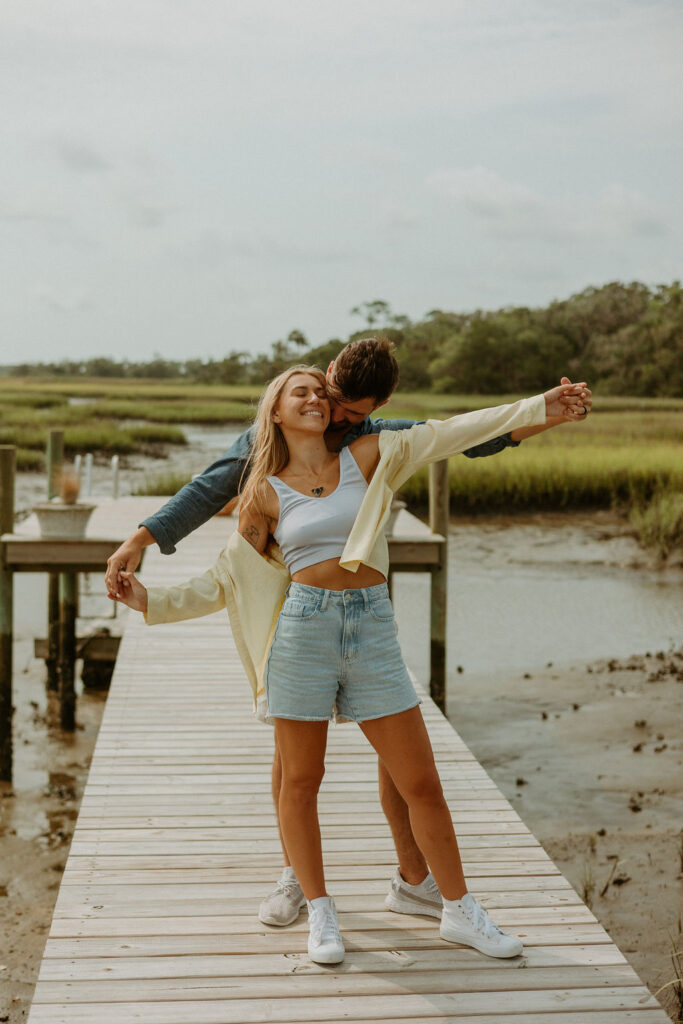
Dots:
{"x": 176, "y": 843}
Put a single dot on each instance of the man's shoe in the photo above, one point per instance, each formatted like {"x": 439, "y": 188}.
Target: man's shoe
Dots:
{"x": 424, "y": 898}
{"x": 282, "y": 905}
{"x": 467, "y": 922}
{"x": 325, "y": 944}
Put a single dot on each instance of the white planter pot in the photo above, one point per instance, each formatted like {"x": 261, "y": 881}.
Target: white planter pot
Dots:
{"x": 63, "y": 522}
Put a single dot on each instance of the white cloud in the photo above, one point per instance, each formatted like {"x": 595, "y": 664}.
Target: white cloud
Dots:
{"x": 506, "y": 209}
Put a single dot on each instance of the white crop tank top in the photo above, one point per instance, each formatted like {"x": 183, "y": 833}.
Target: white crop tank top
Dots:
{"x": 312, "y": 529}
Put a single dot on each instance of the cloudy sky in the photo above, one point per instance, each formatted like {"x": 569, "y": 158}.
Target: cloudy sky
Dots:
{"x": 195, "y": 177}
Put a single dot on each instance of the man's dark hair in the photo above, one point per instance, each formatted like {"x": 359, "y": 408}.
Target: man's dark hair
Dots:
{"x": 366, "y": 368}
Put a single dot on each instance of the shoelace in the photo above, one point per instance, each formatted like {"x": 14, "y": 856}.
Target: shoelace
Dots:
{"x": 324, "y": 927}
{"x": 286, "y": 887}
{"x": 481, "y": 921}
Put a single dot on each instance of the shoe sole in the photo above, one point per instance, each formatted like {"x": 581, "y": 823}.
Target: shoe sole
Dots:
{"x": 408, "y": 906}
{"x": 281, "y": 924}
{"x": 326, "y": 958}
{"x": 481, "y": 946}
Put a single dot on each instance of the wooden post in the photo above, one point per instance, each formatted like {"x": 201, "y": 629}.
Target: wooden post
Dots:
{"x": 52, "y": 660}
{"x": 439, "y": 507}
{"x": 54, "y": 460}
{"x": 67, "y": 649}
{"x": 8, "y": 462}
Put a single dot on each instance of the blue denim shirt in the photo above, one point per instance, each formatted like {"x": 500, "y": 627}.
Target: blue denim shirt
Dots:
{"x": 203, "y": 497}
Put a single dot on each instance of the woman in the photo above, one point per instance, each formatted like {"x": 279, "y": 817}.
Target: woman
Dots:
{"x": 334, "y": 643}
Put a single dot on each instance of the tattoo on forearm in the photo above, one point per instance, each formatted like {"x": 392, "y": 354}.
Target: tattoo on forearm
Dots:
{"x": 252, "y": 534}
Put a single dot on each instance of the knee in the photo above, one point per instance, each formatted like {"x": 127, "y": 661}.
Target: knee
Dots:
{"x": 302, "y": 784}
{"x": 424, "y": 787}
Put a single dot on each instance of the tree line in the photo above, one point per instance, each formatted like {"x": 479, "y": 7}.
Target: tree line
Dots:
{"x": 626, "y": 339}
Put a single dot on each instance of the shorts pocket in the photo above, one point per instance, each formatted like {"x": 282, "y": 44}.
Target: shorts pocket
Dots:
{"x": 294, "y": 608}
{"x": 382, "y": 610}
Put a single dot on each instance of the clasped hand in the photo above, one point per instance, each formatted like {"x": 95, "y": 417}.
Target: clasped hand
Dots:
{"x": 131, "y": 592}
{"x": 567, "y": 401}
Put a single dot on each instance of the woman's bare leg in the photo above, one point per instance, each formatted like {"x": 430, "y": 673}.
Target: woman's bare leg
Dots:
{"x": 302, "y": 753}
{"x": 403, "y": 744}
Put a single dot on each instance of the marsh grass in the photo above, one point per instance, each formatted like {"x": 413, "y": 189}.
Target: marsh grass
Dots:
{"x": 587, "y": 885}
{"x": 128, "y": 389}
{"x": 28, "y": 460}
{"x": 659, "y": 525}
{"x": 27, "y": 417}
{"x": 556, "y": 477}
{"x": 206, "y": 411}
{"x": 163, "y": 483}
{"x": 105, "y": 437}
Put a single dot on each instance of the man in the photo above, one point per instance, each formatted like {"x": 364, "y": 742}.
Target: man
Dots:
{"x": 360, "y": 380}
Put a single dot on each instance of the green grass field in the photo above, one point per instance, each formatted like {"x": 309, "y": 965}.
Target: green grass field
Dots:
{"x": 628, "y": 453}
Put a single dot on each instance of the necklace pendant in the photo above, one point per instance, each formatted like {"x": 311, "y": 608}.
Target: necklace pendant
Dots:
{"x": 317, "y": 491}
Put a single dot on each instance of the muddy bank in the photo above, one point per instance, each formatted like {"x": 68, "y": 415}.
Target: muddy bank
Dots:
{"x": 37, "y": 817}
{"x": 592, "y": 759}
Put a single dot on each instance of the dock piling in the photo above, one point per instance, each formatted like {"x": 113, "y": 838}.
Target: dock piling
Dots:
{"x": 439, "y": 508}
{"x": 55, "y": 462}
{"x": 67, "y": 650}
{"x": 8, "y": 462}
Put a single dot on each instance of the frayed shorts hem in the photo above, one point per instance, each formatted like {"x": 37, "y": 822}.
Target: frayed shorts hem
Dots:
{"x": 340, "y": 719}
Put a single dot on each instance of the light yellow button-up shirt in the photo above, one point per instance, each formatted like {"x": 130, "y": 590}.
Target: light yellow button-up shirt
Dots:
{"x": 252, "y": 586}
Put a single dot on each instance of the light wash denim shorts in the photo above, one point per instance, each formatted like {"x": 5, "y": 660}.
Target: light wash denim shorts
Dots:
{"x": 337, "y": 649}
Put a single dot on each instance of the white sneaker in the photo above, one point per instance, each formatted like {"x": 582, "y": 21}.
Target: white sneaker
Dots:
{"x": 325, "y": 944}
{"x": 282, "y": 905}
{"x": 424, "y": 898}
{"x": 467, "y": 922}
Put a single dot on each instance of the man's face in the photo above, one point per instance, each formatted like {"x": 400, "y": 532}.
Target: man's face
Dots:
{"x": 346, "y": 414}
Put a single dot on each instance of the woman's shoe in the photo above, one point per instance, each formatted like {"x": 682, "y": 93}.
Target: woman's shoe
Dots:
{"x": 325, "y": 944}
{"x": 467, "y": 922}
{"x": 281, "y": 906}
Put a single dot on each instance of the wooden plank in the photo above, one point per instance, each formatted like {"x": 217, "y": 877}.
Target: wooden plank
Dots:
{"x": 125, "y": 937}
{"x": 357, "y": 1008}
{"x": 453, "y": 958}
{"x": 217, "y": 1014}
{"x": 308, "y": 985}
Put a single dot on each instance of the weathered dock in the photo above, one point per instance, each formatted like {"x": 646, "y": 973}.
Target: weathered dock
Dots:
{"x": 176, "y": 843}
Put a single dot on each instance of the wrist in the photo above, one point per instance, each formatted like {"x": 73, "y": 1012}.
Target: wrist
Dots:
{"x": 142, "y": 538}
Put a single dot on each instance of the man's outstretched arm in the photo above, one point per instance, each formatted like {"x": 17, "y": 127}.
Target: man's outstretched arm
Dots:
{"x": 191, "y": 507}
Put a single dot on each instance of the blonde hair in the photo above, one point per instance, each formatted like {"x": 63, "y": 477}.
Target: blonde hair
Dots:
{"x": 269, "y": 454}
